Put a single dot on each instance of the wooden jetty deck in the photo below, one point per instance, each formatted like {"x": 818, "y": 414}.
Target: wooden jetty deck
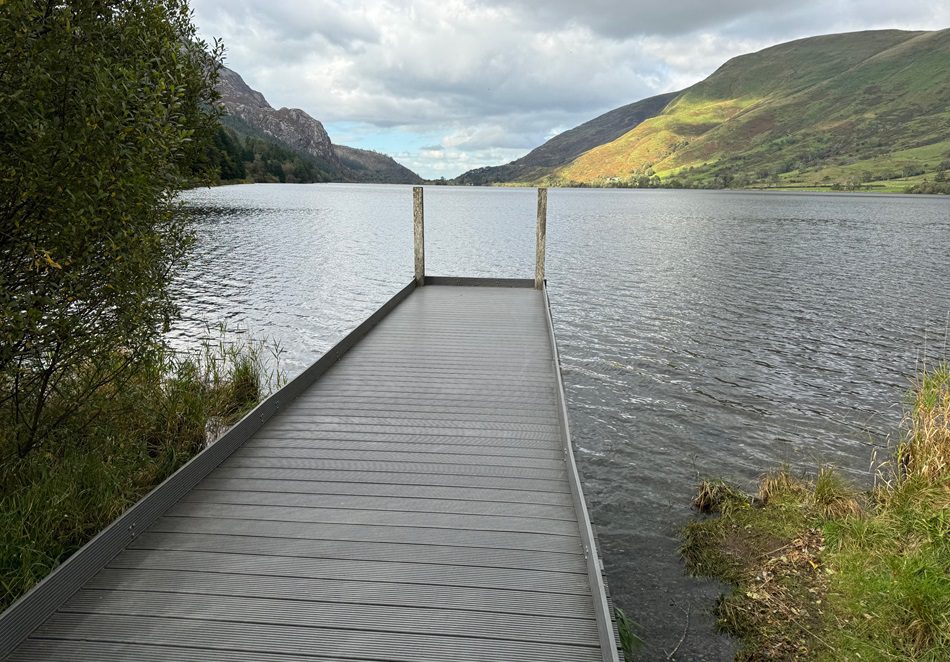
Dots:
{"x": 411, "y": 496}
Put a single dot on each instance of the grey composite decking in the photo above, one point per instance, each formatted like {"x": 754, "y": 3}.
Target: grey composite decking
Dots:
{"x": 415, "y": 502}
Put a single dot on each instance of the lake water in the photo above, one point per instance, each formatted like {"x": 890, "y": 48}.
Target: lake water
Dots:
{"x": 702, "y": 333}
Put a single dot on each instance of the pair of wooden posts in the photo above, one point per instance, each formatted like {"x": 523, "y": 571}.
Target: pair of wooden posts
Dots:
{"x": 418, "y": 234}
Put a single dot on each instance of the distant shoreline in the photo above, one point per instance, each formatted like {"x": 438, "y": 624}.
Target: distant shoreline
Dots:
{"x": 871, "y": 190}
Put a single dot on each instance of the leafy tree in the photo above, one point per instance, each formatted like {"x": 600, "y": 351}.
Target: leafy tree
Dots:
{"x": 107, "y": 107}
{"x": 224, "y": 157}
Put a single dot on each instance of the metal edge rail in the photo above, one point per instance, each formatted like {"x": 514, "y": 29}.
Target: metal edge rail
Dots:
{"x": 598, "y": 589}
{"x": 465, "y": 281}
{"x": 34, "y": 607}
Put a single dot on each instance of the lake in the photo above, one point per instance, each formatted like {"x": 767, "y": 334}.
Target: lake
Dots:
{"x": 702, "y": 333}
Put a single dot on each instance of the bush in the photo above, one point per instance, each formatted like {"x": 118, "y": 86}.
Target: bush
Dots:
{"x": 106, "y": 109}
{"x": 928, "y": 187}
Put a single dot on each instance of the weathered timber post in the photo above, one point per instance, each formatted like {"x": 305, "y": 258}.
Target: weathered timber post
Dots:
{"x": 542, "y": 235}
{"x": 418, "y": 235}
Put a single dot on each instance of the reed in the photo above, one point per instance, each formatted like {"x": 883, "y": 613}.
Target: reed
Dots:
{"x": 630, "y": 641}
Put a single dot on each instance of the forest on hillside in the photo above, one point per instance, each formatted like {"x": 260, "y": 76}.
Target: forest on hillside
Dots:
{"x": 241, "y": 158}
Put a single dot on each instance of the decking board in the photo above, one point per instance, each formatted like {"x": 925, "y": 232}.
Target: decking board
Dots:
{"x": 413, "y": 503}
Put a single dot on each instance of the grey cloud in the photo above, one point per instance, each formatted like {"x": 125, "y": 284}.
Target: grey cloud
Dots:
{"x": 336, "y": 22}
{"x": 812, "y": 18}
{"x": 746, "y": 18}
{"x": 620, "y": 20}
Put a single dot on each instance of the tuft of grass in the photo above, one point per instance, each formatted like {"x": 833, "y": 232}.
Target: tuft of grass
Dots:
{"x": 779, "y": 486}
{"x": 717, "y": 496}
{"x": 135, "y": 435}
{"x": 832, "y": 496}
{"x": 925, "y": 452}
{"x": 823, "y": 572}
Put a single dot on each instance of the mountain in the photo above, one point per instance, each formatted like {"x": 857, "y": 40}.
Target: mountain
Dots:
{"x": 279, "y": 131}
{"x": 565, "y": 147}
{"x": 864, "y": 109}
{"x": 373, "y": 167}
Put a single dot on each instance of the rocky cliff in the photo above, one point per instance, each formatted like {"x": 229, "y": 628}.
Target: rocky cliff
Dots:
{"x": 305, "y": 135}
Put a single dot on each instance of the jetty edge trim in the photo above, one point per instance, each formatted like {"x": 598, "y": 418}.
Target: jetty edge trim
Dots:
{"x": 598, "y": 590}
{"x": 466, "y": 281}
{"x": 40, "y": 602}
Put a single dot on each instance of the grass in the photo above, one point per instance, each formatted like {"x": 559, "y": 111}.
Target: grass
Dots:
{"x": 60, "y": 496}
{"x": 825, "y": 572}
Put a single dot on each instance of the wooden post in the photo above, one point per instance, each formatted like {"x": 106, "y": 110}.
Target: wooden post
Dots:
{"x": 542, "y": 234}
{"x": 418, "y": 235}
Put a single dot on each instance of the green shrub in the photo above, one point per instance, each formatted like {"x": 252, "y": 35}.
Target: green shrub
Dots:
{"x": 106, "y": 109}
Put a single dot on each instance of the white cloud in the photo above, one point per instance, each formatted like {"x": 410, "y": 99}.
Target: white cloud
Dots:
{"x": 491, "y": 79}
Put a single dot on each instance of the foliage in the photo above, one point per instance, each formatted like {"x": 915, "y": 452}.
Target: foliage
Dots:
{"x": 820, "y": 575}
{"x": 225, "y": 156}
{"x": 107, "y": 106}
{"x": 267, "y": 161}
{"x": 237, "y": 155}
{"x": 56, "y": 499}
{"x": 938, "y": 185}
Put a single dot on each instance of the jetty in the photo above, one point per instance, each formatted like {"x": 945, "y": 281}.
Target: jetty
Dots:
{"x": 411, "y": 496}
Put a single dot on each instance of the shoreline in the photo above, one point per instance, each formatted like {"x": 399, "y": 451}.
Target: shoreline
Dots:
{"x": 577, "y": 187}
{"x": 822, "y": 570}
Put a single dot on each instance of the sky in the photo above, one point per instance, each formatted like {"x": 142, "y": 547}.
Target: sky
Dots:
{"x": 445, "y": 86}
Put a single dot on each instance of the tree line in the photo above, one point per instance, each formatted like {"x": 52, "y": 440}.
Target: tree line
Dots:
{"x": 235, "y": 157}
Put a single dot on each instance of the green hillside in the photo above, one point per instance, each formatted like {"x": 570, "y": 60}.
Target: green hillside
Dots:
{"x": 565, "y": 147}
{"x": 857, "y": 110}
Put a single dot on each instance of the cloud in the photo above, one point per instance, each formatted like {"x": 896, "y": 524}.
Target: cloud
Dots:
{"x": 619, "y": 20}
{"x": 487, "y": 80}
